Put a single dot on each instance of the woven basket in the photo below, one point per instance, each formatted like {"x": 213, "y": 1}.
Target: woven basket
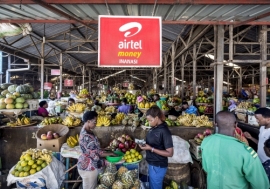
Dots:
{"x": 143, "y": 110}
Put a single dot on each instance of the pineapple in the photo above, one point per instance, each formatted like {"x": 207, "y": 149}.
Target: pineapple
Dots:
{"x": 101, "y": 186}
{"x": 134, "y": 173}
{"x": 111, "y": 168}
{"x": 117, "y": 185}
{"x": 127, "y": 179}
{"x": 107, "y": 179}
{"x": 121, "y": 171}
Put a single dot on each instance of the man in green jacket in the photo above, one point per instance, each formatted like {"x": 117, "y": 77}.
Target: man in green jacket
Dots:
{"x": 228, "y": 162}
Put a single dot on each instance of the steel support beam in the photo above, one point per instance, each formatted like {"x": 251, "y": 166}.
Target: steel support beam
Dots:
{"x": 165, "y": 74}
{"x": 9, "y": 66}
{"x": 194, "y": 71}
{"x": 42, "y": 69}
{"x": 167, "y": 2}
{"x": 1, "y": 67}
{"x": 90, "y": 80}
{"x": 61, "y": 73}
{"x": 173, "y": 72}
{"x": 182, "y": 75}
{"x": 219, "y": 69}
{"x": 263, "y": 68}
{"x": 83, "y": 78}
{"x": 230, "y": 43}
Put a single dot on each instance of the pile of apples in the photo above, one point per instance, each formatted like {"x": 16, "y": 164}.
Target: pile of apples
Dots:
{"x": 199, "y": 137}
{"x": 49, "y": 136}
{"x": 123, "y": 143}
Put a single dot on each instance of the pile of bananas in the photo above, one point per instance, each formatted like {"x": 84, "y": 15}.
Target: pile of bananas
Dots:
{"x": 43, "y": 154}
{"x": 193, "y": 120}
{"x": 118, "y": 119}
{"x": 70, "y": 121}
{"x": 77, "y": 107}
{"x": 52, "y": 120}
{"x": 73, "y": 141}
{"x": 103, "y": 97}
{"x": 23, "y": 121}
{"x": 103, "y": 121}
{"x": 83, "y": 94}
{"x": 89, "y": 102}
{"x": 110, "y": 109}
{"x": 244, "y": 105}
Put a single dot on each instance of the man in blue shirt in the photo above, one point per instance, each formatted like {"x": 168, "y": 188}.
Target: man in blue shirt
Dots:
{"x": 124, "y": 108}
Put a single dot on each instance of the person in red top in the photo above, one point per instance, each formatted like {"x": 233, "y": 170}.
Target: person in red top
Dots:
{"x": 89, "y": 161}
{"x": 42, "y": 111}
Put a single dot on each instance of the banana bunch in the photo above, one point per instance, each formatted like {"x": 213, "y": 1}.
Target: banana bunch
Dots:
{"x": 73, "y": 141}
{"x": 84, "y": 92}
{"x": 244, "y": 105}
{"x": 68, "y": 121}
{"x": 46, "y": 157}
{"x": 103, "y": 98}
{"x": 101, "y": 113}
{"x": 36, "y": 153}
{"x": 110, "y": 109}
{"x": 78, "y": 107}
{"x": 118, "y": 119}
{"x": 23, "y": 121}
{"x": 193, "y": 120}
{"x": 103, "y": 121}
{"x": 52, "y": 120}
{"x": 90, "y": 102}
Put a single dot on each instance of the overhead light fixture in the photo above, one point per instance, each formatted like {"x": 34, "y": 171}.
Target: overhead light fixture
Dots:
{"x": 177, "y": 79}
{"x": 137, "y": 78}
{"x": 116, "y": 73}
{"x": 225, "y": 82}
{"x": 232, "y": 65}
{"x": 227, "y": 64}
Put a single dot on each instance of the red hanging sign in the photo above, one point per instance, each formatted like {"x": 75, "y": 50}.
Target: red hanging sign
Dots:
{"x": 68, "y": 82}
{"x": 47, "y": 85}
{"x": 55, "y": 72}
{"x": 133, "y": 41}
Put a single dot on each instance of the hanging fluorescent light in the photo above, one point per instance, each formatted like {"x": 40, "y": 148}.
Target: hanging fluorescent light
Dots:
{"x": 225, "y": 82}
{"x": 227, "y": 64}
{"x": 137, "y": 78}
{"x": 116, "y": 73}
{"x": 177, "y": 79}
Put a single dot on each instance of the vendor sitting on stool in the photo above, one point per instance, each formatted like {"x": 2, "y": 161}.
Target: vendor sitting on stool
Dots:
{"x": 96, "y": 106}
{"x": 42, "y": 111}
{"x": 189, "y": 109}
{"x": 89, "y": 162}
{"x": 71, "y": 101}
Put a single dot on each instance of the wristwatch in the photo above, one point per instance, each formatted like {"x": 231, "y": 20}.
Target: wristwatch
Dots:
{"x": 152, "y": 150}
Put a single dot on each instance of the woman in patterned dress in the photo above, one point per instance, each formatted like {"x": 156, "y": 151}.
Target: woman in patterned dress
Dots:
{"x": 89, "y": 161}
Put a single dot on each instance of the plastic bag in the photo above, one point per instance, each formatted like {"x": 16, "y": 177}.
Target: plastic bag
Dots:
{"x": 181, "y": 151}
{"x": 50, "y": 177}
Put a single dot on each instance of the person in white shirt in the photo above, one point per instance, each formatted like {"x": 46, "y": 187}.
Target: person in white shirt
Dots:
{"x": 263, "y": 118}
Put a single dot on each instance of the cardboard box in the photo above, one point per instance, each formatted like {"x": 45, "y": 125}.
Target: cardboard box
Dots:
{"x": 195, "y": 149}
{"x": 54, "y": 144}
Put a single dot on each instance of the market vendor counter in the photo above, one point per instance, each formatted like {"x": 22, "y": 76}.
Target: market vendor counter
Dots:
{"x": 13, "y": 141}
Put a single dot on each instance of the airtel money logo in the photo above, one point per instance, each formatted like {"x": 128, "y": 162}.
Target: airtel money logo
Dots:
{"x": 129, "y": 26}
{"x": 128, "y": 45}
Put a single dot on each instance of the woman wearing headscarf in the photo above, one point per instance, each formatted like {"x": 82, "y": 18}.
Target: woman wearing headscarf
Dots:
{"x": 232, "y": 105}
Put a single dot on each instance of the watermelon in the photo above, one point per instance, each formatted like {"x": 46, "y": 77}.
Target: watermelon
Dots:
{"x": 2, "y": 100}
{"x": 25, "y": 105}
{"x": 35, "y": 95}
{"x": 31, "y": 89}
{"x": 20, "y": 100}
{"x": 5, "y": 85}
{"x": 27, "y": 96}
{"x": 3, "y": 105}
{"x": 17, "y": 94}
{"x": 10, "y": 106}
{"x": 3, "y": 93}
{"x": 23, "y": 89}
{"x": 9, "y": 95}
{"x": 12, "y": 88}
{"x": 19, "y": 105}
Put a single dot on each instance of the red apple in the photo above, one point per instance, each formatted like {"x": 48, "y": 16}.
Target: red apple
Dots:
{"x": 43, "y": 137}
{"x": 200, "y": 136}
{"x": 49, "y": 133}
{"x": 49, "y": 137}
{"x": 126, "y": 145}
{"x": 121, "y": 145}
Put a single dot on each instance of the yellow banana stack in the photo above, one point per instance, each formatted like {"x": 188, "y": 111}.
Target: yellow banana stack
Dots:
{"x": 23, "y": 121}
{"x": 35, "y": 153}
{"x": 73, "y": 141}
{"x": 118, "y": 119}
{"x": 103, "y": 121}
{"x": 71, "y": 122}
{"x": 110, "y": 109}
{"x": 78, "y": 107}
